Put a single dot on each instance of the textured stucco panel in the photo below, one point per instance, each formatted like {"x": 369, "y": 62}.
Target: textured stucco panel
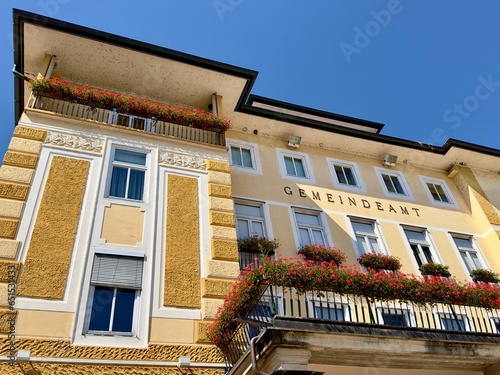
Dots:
{"x": 214, "y": 288}
{"x": 73, "y": 369}
{"x": 6, "y": 268}
{"x": 182, "y": 250}
{"x": 30, "y": 133}
{"x": 154, "y": 352}
{"x": 16, "y": 174}
{"x": 8, "y": 228}
{"x": 222, "y": 191}
{"x": 6, "y": 316}
{"x": 225, "y": 250}
{"x": 221, "y": 218}
{"x": 13, "y": 191}
{"x": 10, "y": 208}
{"x": 49, "y": 253}
{"x": 8, "y": 248}
{"x": 25, "y": 145}
{"x": 202, "y": 331}
{"x": 123, "y": 225}
{"x": 222, "y": 269}
{"x": 221, "y": 166}
{"x": 223, "y": 232}
{"x": 220, "y": 204}
{"x": 219, "y": 178}
{"x": 19, "y": 159}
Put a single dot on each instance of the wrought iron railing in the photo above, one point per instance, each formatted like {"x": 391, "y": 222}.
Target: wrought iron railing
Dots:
{"x": 355, "y": 310}
{"x": 89, "y": 111}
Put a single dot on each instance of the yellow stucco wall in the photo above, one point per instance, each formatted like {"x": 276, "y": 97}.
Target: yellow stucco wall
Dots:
{"x": 49, "y": 252}
{"x": 182, "y": 250}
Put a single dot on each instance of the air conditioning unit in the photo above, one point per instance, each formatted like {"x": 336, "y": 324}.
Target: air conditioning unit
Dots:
{"x": 389, "y": 160}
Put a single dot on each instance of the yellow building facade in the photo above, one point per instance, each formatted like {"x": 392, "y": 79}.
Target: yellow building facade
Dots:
{"x": 118, "y": 229}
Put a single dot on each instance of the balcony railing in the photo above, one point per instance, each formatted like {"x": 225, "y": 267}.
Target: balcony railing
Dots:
{"x": 88, "y": 111}
{"x": 350, "y": 310}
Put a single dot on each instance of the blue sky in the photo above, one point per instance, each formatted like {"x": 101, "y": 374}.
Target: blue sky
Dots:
{"x": 429, "y": 70}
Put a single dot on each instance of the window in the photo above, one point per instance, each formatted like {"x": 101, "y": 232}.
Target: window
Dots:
{"x": 438, "y": 191}
{"x": 241, "y": 156}
{"x": 420, "y": 247}
{"x": 393, "y": 183}
{"x": 249, "y": 222}
{"x": 395, "y": 317}
{"x": 366, "y": 237}
{"x": 331, "y": 311}
{"x": 294, "y": 165}
{"x": 495, "y": 322}
{"x": 309, "y": 227}
{"x": 454, "y": 322}
{"x": 345, "y": 175}
{"x": 468, "y": 253}
{"x": 266, "y": 308}
{"x": 115, "y": 285}
{"x": 130, "y": 121}
{"x": 128, "y": 174}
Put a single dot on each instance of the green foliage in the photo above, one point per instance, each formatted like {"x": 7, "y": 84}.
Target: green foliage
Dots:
{"x": 486, "y": 276}
{"x": 434, "y": 269}
{"x": 379, "y": 261}
{"x": 258, "y": 245}
{"x": 322, "y": 253}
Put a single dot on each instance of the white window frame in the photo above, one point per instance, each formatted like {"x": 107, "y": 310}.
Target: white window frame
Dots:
{"x": 377, "y": 234}
{"x": 322, "y": 220}
{"x": 468, "y": 324}
{"x": 335, "y": 302}
{"x": 408, "y": 314}
{"x": 400, "y": 176}
{"x": 359, "y": 187}
{"x": 146, "y": 168}
{"x": 436, "y": 181}
{"x": 137, "y": 299}
{"x": 254, "y": 153}
{"x": 494, "y": 320}
{"x": 306, "y": 163}
{"x": 149, "y": 124}
{"x": 436, "y": 258}
{"x": 474, "y": 247}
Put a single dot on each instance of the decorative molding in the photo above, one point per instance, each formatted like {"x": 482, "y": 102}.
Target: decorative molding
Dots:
{"x": 182, "y": 161}
{"x": 178, "y": 150}
{"x": 65, "y": 140}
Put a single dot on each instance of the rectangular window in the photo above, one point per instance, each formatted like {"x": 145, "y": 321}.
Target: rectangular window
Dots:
{"x": 130, "y": 121}
{"x": 241, "y": 156}
{"x": 331, "y": 311}
{"x": 115, "y": 284}
{"x": 366, "y": 237}
{"x": 249, "y": 222}
{"x": 310, "y": 227}
{"x": 468, "y": 253}
{"x": 395, "y": 317}
{"x": 393, "y": 183}
{"x": 454, "y": 322}
{"x": 345, "y": 175}
{"x": 438, "y": 191}
{"x": 294, "y": 166}
{"x": 420, "y": 247}
{"x": 128, "y": 174}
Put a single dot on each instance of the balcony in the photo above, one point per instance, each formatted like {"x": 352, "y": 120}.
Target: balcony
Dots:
{"x": 104, "y": 114}
{"x": 357, "y": 322}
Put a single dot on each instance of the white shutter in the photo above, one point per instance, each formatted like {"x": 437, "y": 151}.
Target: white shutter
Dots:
{"x": 117, "y": 271}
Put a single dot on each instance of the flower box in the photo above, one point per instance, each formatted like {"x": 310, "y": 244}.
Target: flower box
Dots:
{"x": 485, "y": 276}
{"x": 322, "y": 253}
{"x": 434, "y": 269}
{"x": 380, "y": 262}
{"x": 258, "y": 245}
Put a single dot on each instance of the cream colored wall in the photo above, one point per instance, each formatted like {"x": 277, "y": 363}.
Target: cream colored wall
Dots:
{"x": 122, "y": 225}
{"x": 269, "y": 187}
{"x": 490, "y": 183}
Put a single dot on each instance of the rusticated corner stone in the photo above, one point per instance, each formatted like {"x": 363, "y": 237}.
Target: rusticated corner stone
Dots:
{"x": 221, "y": 218}
{"x": 219, "y": 178}
{"x": 225, "y": 250}
{"x": 30, "y": 133}
{"x": 7, "y": 320}
{"x": 13, "y": 191}
{"x": 9, "y": 271}
{"x": 201, "y": 332}
{"x": 8, "y": 248}
{"x": 215, "y": 288}
{"x": 220, "y": 166}
{"x": 16, "y": 174}
{"x": 221, "y": 191}
{"x": 8, "y": 228}
{"x": 19, "y": 159}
